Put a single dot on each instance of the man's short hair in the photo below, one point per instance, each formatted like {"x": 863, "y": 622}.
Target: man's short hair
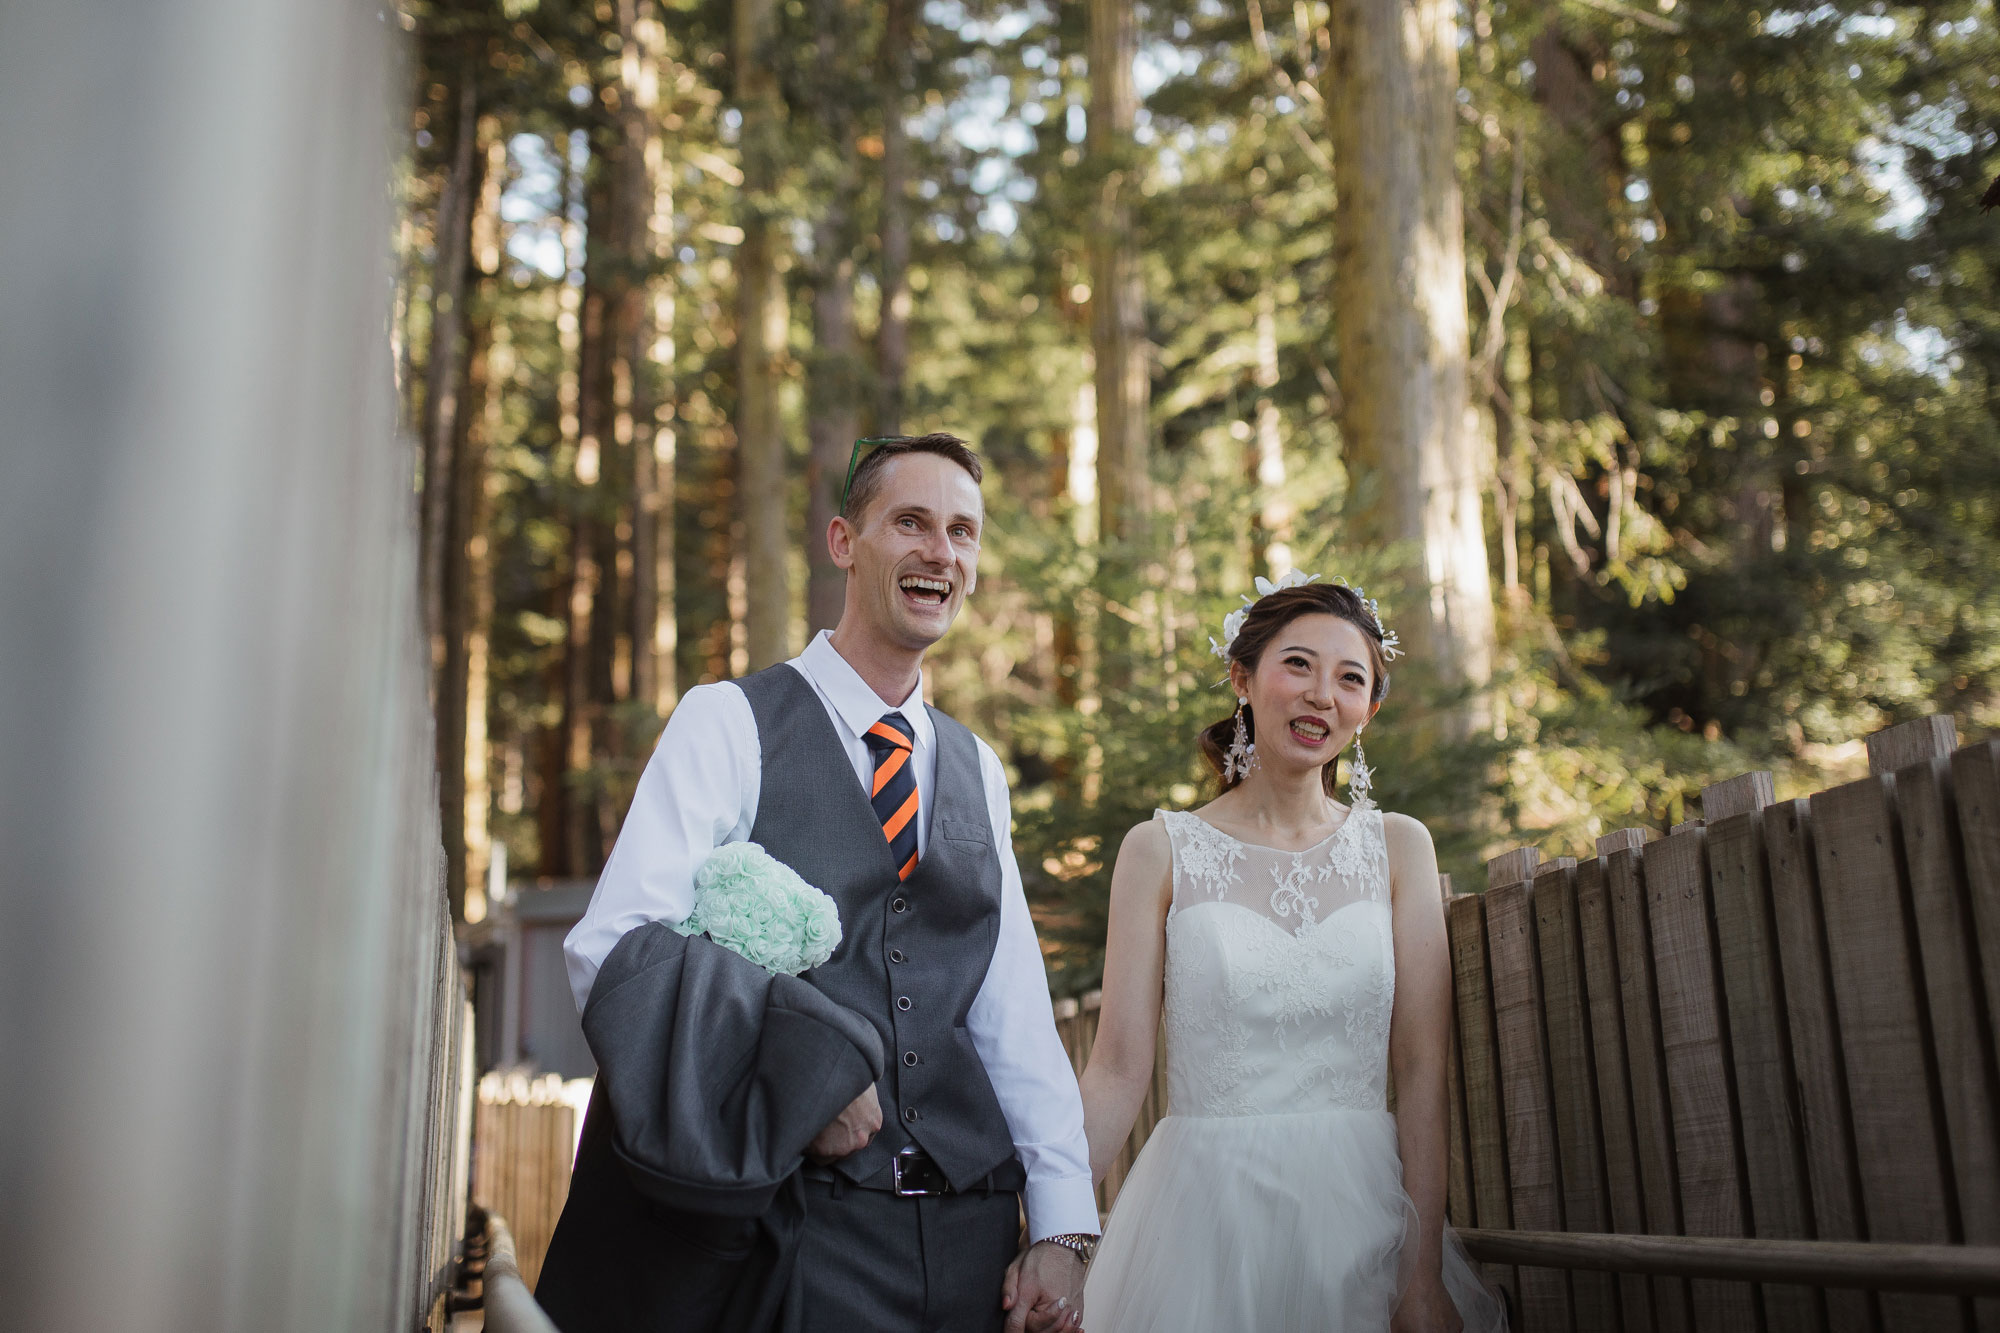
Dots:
{"x": 868, "y": 475}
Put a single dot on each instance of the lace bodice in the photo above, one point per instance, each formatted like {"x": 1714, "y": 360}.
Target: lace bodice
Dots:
{"x": 1280, "y": 972}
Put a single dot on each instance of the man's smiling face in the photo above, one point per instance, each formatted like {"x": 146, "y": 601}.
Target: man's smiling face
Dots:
{"x": 915, "y": 553}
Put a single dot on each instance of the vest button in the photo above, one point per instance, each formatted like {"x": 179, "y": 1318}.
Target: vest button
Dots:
{"x": 909, "y": 1057}
{"x": 910, "y": 1114}
{"x": 903, "y": 1003}
{"x": 895, "y": 955}
{"x": 900, "y": 905}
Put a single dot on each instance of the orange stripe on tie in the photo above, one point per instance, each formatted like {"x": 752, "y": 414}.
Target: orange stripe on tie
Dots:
{"x": 891, "y": 735}
{"x": 894, "y": 823}
{"x": 892, "y": 764}
{"x": 908, "y": 866}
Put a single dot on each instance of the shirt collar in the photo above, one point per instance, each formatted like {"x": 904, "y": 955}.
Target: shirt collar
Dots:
{"x": 853, "y": 699}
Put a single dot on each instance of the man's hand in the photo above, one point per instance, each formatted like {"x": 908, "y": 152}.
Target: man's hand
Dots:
{"x": 850, "y": 1131}
{"x": 1043, "y": 1291}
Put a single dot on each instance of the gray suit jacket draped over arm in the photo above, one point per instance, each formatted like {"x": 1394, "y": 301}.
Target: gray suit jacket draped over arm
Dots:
{"x": 713, "y": 1076}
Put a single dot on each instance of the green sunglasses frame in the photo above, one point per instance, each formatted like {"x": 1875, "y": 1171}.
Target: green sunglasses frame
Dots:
{"x": 854, "y": 461}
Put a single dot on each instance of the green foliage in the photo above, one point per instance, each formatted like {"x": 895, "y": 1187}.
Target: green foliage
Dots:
{"x": 1740, "y": 390}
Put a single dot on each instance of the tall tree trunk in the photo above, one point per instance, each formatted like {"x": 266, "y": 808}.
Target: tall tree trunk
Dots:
{"x": 562, "y": 851}
{"x": 644, "y": 69}
{"x": 445, "y": 368}
{"x": 892, "y": 335}
{"x": 1415, "y": 469}
{"x": 1117, "y": 301}
{"x": 834, "y": 374}
{"x": 468, "y": 587}
{"x": 593, "y": 592}
{"x": 1271, "y": 524}
{"x": 763, "y": 321}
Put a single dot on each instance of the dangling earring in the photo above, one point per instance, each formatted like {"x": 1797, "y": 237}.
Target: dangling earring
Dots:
{"x": 1359, "y": 779}
{"x": 1241, "y": 756}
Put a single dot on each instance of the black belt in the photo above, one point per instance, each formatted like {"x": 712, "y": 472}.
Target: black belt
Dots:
{"x": 914, "y": 1174}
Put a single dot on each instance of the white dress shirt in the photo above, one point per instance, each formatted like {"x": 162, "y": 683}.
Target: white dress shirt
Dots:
{"x": 700, "y": 790}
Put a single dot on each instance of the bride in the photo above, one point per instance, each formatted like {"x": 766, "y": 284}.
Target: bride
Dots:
{"x": 1275, "y": 926}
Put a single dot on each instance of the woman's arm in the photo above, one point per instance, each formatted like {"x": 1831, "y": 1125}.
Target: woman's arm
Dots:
{"x": 1135, "y": 952}
{"x": 1420, "y": 1033}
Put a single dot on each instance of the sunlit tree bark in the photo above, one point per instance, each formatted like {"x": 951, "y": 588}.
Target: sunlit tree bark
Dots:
{"x": 468, "y": 587}
{"x": 892, "y": 336}
{"x": 1416, "y": 469}
{"x": 1271, "y": 525}
{"x": 835, "y": 373}
{"x": 1117, "y": 299}
{"x": 644, "y": 70}
{"x": 763, "y": 321}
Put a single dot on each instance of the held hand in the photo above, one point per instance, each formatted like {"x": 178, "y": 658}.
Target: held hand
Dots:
{"x": 1043, "y": 1291}
{"x": 1426, "y": 1308}
{"x": 850, "y": 1131}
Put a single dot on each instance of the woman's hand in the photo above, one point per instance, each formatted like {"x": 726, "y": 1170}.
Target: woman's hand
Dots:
{"x": 1426, "y": 1308}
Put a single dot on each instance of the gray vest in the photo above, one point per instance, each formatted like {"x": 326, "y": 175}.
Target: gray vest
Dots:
{"x": 913, "y": 953}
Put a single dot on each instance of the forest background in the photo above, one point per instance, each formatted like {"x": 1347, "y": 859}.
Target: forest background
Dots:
{"x": 1692, "y": 352}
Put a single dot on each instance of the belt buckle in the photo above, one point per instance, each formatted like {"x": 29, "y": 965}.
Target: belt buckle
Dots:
{"x": 916, "y": 1159}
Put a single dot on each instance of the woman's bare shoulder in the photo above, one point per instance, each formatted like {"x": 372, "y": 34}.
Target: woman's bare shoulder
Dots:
{"x": 1146, "y": 845}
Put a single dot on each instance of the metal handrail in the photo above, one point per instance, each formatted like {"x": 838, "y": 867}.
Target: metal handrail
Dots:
{"x": 1958, "y": 1270}
{"x": 509, "y": 1306}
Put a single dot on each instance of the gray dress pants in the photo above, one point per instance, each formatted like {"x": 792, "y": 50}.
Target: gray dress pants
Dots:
{"x": 872, "y": 1261}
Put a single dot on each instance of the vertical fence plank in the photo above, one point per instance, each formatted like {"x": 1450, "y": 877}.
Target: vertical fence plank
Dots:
{"x": 1701, "y": 1091}
{"x": 1825, "y": 1121}
{"x": 1975, "y": 775}
{"x": 1760, "y": 1044}
{"x": 1485, "y": 1122}
{"x": 1906, "y": 1184}
{"x": 1946, "y": 942}
{"x": 1614, "y": 1092}
{"x": 1533, "y": 1174}
{"x": 1909, "y": 743}
{"x": 1651, "y": 1119}
{"x": 1458, "y": 1165}
{"x": 1573, "y": 1082}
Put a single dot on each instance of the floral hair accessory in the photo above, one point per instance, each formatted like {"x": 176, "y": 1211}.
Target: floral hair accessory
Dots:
{"x": 1233, "y": 622}
{"x": 757, "y": 907}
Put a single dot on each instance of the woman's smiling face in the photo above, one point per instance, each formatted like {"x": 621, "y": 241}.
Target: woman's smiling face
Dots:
{"x": 1310, "y": 691}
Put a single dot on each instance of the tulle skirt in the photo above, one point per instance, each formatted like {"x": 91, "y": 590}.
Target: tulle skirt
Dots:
{"x": 1267, "y": 1224}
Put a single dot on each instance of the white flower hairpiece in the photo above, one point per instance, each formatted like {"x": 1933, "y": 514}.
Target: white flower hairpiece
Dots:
{"x": 1233, "y": 622}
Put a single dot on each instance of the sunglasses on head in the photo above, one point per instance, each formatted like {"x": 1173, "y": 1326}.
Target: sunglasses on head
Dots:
{"x": 854, "y": 461}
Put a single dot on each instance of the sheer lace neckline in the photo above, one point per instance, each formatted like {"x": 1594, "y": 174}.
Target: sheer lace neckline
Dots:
{"x": 1345, "y": 824}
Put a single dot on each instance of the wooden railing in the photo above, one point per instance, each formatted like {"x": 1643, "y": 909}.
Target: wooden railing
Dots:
{"x": 1772, "y": 1026}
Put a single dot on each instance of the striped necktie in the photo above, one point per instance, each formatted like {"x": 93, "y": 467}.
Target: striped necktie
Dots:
{"x": 893, "y": 791}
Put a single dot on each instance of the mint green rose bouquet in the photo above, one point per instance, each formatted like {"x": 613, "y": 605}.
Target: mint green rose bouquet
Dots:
{"x": 755, "y": 905}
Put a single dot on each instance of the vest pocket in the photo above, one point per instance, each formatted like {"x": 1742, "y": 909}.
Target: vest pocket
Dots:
{"x": 965, "y": 830}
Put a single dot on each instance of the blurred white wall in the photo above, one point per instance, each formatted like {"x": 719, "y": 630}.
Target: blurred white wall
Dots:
{"x": 219, "y": 900}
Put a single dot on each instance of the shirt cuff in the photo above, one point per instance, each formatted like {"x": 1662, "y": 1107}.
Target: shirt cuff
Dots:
{"x": 1061, "y": 1207}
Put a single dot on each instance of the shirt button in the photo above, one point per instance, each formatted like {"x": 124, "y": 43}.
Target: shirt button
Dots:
{"x": 910, "y": 1114}
{"x": 900, "y": 905}
{"x": 895, "y": 955}
{"x": 903, "y": 1003}
{"x": 909, "y": 1057}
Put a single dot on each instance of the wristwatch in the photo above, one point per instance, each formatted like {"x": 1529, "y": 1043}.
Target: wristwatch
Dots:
{"x": 1083, "y": 1244}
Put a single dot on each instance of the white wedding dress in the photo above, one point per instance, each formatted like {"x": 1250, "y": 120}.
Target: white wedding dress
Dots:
{"x": 1270, "y": 1198}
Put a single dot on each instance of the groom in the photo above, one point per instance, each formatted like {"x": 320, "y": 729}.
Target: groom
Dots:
{"x": 834, "y": 764}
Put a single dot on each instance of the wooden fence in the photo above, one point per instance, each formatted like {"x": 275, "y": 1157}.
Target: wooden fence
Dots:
{"x": 524, "y": 1145}
{"x": 1773, "y": 1026}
